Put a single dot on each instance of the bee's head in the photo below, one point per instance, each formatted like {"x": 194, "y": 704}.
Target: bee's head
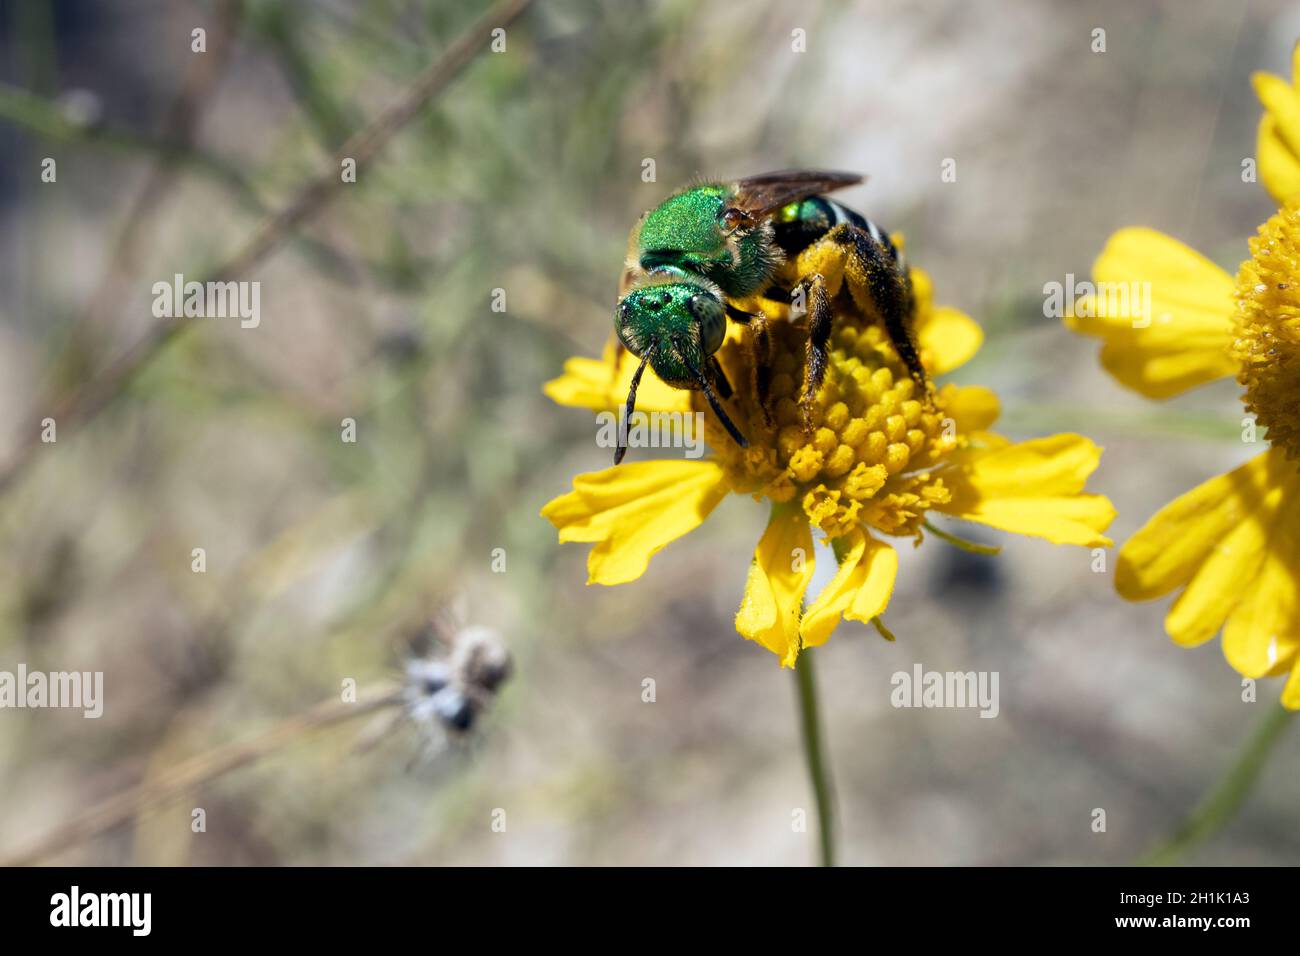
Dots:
{"x": 675, "y": 322}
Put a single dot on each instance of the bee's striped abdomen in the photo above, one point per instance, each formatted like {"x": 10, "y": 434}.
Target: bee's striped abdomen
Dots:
{"x": 801, "y": 224}
{"x": 876, "y": 233}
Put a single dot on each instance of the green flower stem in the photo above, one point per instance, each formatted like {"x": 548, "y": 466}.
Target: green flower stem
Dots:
{"x": 818, "y": 769}
{"x": 1223, "y": 802}
{"x": 962, "y": 543}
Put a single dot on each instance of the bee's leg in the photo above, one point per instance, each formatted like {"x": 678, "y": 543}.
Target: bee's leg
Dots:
{"x": 762, "y": 361}
{"x": 876, "y": 276}
{"x": 820, "y": 320}
{"x": 720, "y": 378}
{"x": 760, "y": 349}
{"x": 708, "y": 385}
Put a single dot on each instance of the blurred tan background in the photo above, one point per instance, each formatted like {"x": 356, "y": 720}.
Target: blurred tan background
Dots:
{"x": 325, "y": 559}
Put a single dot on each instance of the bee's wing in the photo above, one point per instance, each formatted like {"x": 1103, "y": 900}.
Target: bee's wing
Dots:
{"x": 760, "y": 196}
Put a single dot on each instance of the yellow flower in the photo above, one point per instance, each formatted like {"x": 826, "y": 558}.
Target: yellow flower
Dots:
{"x": 1232, "y": 545}
{"x": 1278, "y": 143}
{"x": 878, "y": 460}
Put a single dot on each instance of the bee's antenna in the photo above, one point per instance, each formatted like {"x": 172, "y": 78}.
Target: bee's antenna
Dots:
{"x": 707, "y": 388}
{"x": 621, "y": 450}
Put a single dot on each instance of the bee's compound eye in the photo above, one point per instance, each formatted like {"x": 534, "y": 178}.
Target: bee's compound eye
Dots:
{"x": 734, "y": 219}
{"x": 713, "y": 322}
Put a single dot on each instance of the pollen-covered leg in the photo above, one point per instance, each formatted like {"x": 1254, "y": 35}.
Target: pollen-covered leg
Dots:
{"x": 760, "y": 346}
{"x": 762, "y": 339}
{"x": 820, "y": 320}
{"x": 877, "y": 279}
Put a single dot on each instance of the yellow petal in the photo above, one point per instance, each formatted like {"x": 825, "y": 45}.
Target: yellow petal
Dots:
{"x": 1183, "y": 339}
{"x": 859, "y": 591}
{"x": 633, "y": 510}
{"x": 1170, "y": 548}
{"x": 1263, "y": 631}
{"x": 1278, "y": 145}
{"x": 1079, "y": 520}
{"x": 1227, "y": 571}
{"x": 1291, "y": 692}
{"x": 922, "y": 285}
{"x": 1032, "y": 488}
{"x": 948, "y": 337}
{"x": 1279, "y": 99}
{"x": 1279, "y": 167}
{"x": 973, "y": 408}
{"x": 592, "y": 383}
{"x": 782, "y": 567}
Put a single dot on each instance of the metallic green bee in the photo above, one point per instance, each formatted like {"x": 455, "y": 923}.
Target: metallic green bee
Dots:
{"x": 713, "y": 242}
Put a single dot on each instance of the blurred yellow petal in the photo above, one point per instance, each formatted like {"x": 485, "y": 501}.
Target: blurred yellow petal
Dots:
{"x": 1278, "y": 145}
{"x": 633, "y": 510}
{"x": 1184, "y": 339}
{"x": 591, "y": 383}
{"x": 1031, "y": 488}
{"x": 1279, "y": 167}
{"x": 1171, "y": 547}
{"x": 778, "y": 577}
{"x": 859, "y": 591}
{"x": 973, "y": 408}
{"x": 1163, "y": 374}
{"x": 948, "y": 337}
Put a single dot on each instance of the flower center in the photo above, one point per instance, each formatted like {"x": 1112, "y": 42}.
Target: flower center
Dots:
{"x": 1267, "y": 339}
{"x": 864, "y": 460}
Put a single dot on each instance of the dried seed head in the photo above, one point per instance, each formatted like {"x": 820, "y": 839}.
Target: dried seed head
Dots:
{"x": 480, "y": 659}
{"x": 450, "y": 692}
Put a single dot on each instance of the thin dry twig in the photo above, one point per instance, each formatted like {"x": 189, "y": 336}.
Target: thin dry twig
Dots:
{"x": 85, "y": 404}
{"x": 201, "y": 769}
{"x": 180, "y": 128}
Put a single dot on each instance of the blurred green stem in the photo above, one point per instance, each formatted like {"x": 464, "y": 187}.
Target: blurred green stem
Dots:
{"x": 1221, "y": 805}
{"x": 43, "y": 117}
{"x": 818, "y": 769}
